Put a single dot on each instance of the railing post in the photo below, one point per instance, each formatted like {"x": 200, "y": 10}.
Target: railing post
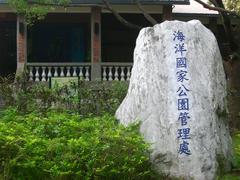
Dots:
{"x": 96, "y": 72}
{"x": 96, "y": 43}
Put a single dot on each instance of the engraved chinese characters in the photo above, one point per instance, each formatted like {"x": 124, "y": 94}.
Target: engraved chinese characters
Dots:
{"x": 183, "y": 102}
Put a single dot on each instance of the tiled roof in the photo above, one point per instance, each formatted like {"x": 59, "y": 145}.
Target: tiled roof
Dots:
{"x": 124, "y": 1}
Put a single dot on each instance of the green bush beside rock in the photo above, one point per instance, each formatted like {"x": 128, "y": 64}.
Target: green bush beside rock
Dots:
{"x": 66, "y": 146}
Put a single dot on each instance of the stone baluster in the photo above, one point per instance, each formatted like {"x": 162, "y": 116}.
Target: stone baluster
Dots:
{"x": 116, "y": 73}
{"x": 87, "y": 74}
{"x": 68, "y": 71}
{"x": 62, "y": 72}
{"x": 43, "y": 74}
{"x": 74, "y": 71}
{"x": 122, "y": 73}
{"x": 128, "y": 73}
{"x": 55, "y": 71}
{"x": 37, "y": 74}
{"x": 81, "y": 73}
{"x": 31, "y": 73}
{"x": 49, "y": 75}
{"x": 110, "y": 75}
{"x": 104, "y": 73}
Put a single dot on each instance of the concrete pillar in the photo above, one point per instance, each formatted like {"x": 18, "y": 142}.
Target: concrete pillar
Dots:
{"x": 167, "y": 12}
{"x": 96, "y": 43}
{"x": 21, "y": 45}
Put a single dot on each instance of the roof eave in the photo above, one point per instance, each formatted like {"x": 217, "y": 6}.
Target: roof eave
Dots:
{"x": 164, "y": 2}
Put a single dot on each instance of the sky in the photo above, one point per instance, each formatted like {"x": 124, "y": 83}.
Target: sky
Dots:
{"x": 194, "y": 7}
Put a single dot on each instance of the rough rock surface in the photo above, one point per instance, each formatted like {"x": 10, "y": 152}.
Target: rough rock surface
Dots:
{"x": 153, "y": 95}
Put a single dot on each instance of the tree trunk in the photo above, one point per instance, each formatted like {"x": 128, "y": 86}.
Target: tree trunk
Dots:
{"x": 232, "y": 69}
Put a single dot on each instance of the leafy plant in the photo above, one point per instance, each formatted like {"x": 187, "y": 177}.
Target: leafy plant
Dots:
{"x": 236, "y": 148}
{"x": 235, "y": 174}
{"x": 6, "y": 90}
{"x": 85, "y": 98}
{"x": 35, "y": 10}
{"x": 65, "y": 146}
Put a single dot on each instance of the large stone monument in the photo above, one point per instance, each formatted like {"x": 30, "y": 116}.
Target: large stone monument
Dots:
{"x": 178, "y": 92}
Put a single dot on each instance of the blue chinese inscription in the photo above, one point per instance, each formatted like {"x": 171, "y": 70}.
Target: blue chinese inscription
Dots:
{"x": 184, "y": 148}
{"x": 178, "y": 35}
{"x": 182, "y": 91}
{"x": 181, "y": 62}
{"x": 183, "y": 118}
{"x": 179, "y": 48}
{"x": 183, "y": 102}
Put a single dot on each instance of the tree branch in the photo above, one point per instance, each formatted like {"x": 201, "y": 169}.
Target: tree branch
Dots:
{"x": 120, "y": 18}
{"x": 221, "y": 10}
{"x": 146, "y": 15}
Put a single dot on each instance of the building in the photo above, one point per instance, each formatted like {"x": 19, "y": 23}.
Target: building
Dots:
{"x": 86, "y": 41}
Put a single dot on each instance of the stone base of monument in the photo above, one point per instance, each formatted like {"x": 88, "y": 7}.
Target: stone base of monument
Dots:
{"x": 178, "y": 92}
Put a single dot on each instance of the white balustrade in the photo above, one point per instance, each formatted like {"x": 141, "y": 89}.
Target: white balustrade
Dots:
{"x": 122, "y": 74}
{"x": 68, "y": 72}
{"x": 81, "y": 73}
{"x": 62, "y": 72}
{"x": 30, "y": 73}
{"x": 49, "y": 75}
{"x": 44, "y": 71}
{"x": 104, "y": 73}
{"x": 75, "y": 71}
{"x": 43, "y": 74}
{"x": 128, "y": 73}
{"x": 55, "y": 71}
{"x": 37, "y": 74}
{"x": 116, "y": 71}
{"x": 110, "y": 71}
{"x": 87, "y": 74}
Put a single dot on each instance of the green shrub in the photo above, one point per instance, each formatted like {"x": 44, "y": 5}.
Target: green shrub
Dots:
{"x": 235, "y": 174}
{"x": 6, "y": 90}
{"x": 65, "y": 146}
{"x": 236, "y": 149}
{"x": 98, "y": 98}
{"x": 94, "y": 98}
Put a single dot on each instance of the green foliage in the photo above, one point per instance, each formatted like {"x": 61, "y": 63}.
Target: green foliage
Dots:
{"x": 65, "y": 146}
{"x": 236, "y": 148}
{"x": 6, "y": 90}
{"x": 235, "y": 175}
{"x": 233, "y": 5}
{"x": 56, "y": 133}
{"x": 87, "y": 98}
{"x": 98, "y": 98}
{"x": 229, "y": 177}
{"x": 36, "y": 9}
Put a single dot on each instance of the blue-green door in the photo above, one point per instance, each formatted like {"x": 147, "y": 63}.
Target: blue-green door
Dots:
{"x": 77, "y": 43}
